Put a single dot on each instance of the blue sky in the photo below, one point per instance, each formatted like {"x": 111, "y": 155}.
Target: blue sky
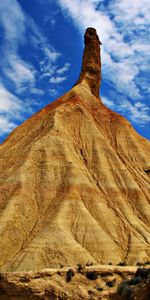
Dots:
{"x": 41, "y": 52}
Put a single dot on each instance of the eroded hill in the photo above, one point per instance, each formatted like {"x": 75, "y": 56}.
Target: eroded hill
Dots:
{"x": 74, "y": 183}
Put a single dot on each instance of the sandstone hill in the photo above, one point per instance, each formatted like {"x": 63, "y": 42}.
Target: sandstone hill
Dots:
{"x": 75, "y": 182}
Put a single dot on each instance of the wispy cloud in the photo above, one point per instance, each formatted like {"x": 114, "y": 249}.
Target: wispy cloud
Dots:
{"x": 37, "y": 91}
{"x": 10, "y": 106}
{"x": 138, "y": 112}
{"x": 13, "y": 22}
{"x": 8, "y": 102}
{"x": 122, "y": 27}
{"x": 53, "y": 92}
{"x": 109, "y": 103}
{"x": 64, "y": 69}
{"x": 20, "y": 73}
{"x": 19, "y": 29}
{"x": 6, "y": 125}
{"x": 52, "y": 55}
{"x": 23, "y": 76}
{"x": 57, "y": 79}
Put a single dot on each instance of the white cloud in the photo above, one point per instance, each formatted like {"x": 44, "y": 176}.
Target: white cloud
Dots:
{"x": 136, "y": 11}
{"x": 64, "y": 69}
{"x": 53, "y": 92}
{"x": 13, "y": 21}
{"x": 10, "y": 106}
{"x": 9, "y": 103}
{"x": 109, "y": 103}
{"x": 138, "y": 112}
{"x": 21, "y": 73}
{"x": 52, "y": 55}
{"x": 19, "y": 28}
{"x": 6, "y": 125}
{"x": 37, "y": 91}
{"x": 57, "y": 79}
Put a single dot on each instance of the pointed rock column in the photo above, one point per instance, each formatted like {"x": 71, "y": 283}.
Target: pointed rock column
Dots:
{"x": 91, "y": 63}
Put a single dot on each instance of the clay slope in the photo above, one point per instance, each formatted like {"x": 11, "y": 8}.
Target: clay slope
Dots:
{"x": 74, "y": 187}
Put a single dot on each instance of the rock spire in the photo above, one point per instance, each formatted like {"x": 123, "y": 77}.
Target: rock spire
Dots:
{"x": 91, "y": 63}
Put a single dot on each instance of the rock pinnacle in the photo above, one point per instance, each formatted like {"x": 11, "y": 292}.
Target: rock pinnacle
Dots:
{"x": 91, "y": 63}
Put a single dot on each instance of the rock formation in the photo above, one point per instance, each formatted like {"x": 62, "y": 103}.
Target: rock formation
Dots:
{"x": 91, "y": 63}
{"x": 74, "y": 183}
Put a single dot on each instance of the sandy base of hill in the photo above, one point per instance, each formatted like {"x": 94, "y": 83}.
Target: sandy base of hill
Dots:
{"x": 56, "y": 284}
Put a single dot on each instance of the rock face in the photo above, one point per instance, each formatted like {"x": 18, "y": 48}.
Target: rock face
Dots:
{"x": 74, "y": 182}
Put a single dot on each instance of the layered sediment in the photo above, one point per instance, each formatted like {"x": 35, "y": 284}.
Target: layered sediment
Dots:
{"x": 74, "y": 182}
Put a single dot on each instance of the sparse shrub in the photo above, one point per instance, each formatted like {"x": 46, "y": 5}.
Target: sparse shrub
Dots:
{"x": 139, "y": 264}
{"x": 106, "y": 274}
{"x": 98, "y": 288}
{"x": 58, "y": 272}
{"x": 69, "y": 275}
{"x": 61, "y": 266}
{"x": 110, "y": 263}
{"x": 111, "y": 283}
{"x": 138, "y": 272}
{"x": 90, "y": 292}
{"x": 80, "y": 267}
{"x": 89, "y": 264}
{"x": 124, "y": 290}
{"x": 147, "y": 263}
{"x": 127, "y": 293}
{"x": 2, "y": 291}
{"x": 143, "y": 273}
{"x": 92, "y": 275}
{"x": 121, "y": 287}
{"x": 122, "y": 264}
{"x": 134, "y": 281}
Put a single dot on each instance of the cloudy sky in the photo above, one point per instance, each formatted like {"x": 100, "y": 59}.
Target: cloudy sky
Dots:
{"x": 41, "y": 51}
